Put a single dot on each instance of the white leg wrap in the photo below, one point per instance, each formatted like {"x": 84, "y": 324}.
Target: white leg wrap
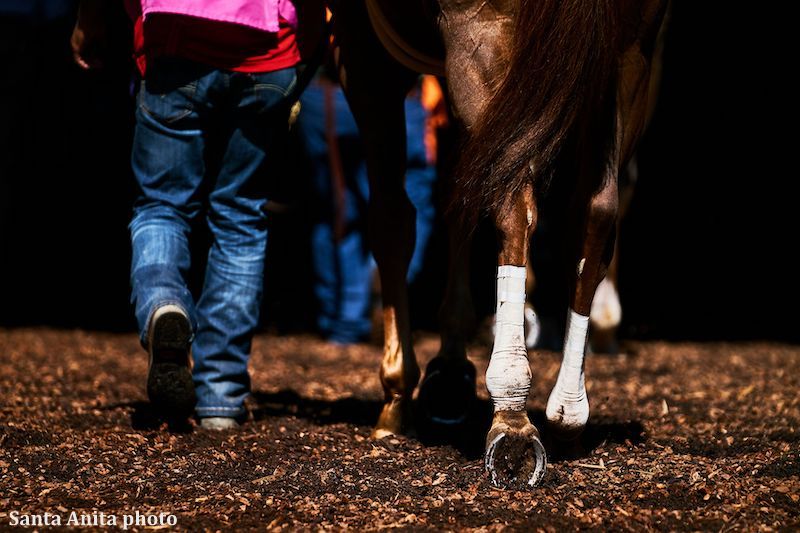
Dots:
{"x": 508, "y": 377}
{"x": 568, "y": 405}
{"x": 606, "y": 310}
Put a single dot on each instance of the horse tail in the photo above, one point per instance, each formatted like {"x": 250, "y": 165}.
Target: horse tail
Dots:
{"x": 563, "y": 63}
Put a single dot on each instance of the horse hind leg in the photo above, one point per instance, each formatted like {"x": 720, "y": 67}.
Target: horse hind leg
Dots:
{"x": 598, "y": 197}
{"x": 568, "y": 405}
{"x": 392, "y": 235}
{"x": 514, "y": 453}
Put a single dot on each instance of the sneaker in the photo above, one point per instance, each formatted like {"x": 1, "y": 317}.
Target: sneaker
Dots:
{"x": 169, "y": 378}
{"x": 219, "y": 423}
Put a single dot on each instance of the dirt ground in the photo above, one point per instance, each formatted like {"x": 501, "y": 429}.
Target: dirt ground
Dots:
{"x": 681, "y": 437}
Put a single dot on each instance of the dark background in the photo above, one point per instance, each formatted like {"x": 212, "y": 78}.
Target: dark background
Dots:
{"x": 708, "y": 248}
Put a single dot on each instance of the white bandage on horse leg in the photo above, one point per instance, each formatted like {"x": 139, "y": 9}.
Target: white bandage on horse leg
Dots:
{"x": 568, "y": 406}
{"x": 508, "y": 377}
{"x": 606, "y": 310}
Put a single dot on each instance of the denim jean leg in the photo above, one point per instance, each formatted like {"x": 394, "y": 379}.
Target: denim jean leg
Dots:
{"x": 159, "y": 264}
{"x": 228, "y": 309}
{"x": 343, "y": 267}
{"x": 167, "y": 164}
{"x": 228, "y": 312}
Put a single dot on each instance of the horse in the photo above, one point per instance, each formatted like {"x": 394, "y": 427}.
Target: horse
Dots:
{"x": 542, "y": 91}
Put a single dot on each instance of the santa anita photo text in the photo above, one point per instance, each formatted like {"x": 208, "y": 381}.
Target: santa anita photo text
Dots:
{"x": 93, "y": 519}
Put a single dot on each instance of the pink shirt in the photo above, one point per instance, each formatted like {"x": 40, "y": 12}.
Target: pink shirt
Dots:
{"x": 260, "y": 14}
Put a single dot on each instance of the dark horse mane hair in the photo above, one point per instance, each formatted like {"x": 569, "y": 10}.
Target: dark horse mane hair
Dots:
{"x": 563, "y": 64}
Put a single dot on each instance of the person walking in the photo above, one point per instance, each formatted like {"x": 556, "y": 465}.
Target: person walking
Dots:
{"x": 212, "y": 105}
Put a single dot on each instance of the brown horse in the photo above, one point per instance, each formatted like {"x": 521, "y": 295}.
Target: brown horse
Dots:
{"x": 541, "y": 90}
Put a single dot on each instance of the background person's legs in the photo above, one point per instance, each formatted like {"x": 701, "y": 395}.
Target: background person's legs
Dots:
{"x": 420, "y": 180}
{"x": 343, "y": 264}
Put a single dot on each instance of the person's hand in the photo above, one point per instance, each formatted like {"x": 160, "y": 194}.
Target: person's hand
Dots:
{"x": 89, "y": 35}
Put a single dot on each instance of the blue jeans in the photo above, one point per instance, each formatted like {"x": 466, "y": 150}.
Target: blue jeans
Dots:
{"x": 181, "y": 106}
{"x": 343, "y": 264}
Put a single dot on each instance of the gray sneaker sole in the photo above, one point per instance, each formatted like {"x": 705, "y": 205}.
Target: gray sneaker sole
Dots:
{"x": 219, "y": 423}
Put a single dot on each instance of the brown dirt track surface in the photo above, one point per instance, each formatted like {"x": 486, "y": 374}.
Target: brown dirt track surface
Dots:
{"x": 682, "y": 437}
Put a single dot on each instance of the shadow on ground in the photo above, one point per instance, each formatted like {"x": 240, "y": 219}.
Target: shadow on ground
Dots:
{"x": 145, "y": 417}
{"x": 467, "y": 437}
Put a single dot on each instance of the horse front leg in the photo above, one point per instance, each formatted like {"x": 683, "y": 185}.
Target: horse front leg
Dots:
{"x": 514, "y": 454}
{"x": 447, "y": 392}
{"x": 376, "y": 86}
{"x": 392, "y": 234}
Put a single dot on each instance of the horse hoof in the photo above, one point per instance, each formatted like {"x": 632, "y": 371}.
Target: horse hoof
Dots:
{"x": 381, "y": 433}
{"x": 564, "y": 433}
{"x": 566, "y": 420}
{"x": 395, "y": 419}
{"x": 447, "y": 393}
{"x": 515, "y": 456}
